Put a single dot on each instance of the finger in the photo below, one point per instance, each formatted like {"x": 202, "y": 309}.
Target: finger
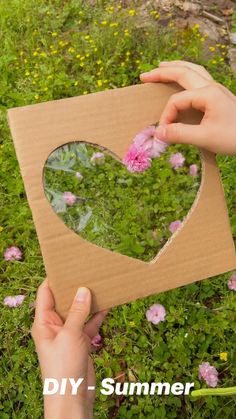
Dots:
{"x": 179, "y": 133}
{"x": 187, "y": 78}
{"x": 44, "y": 302}
{"x": 183, "y": 101}
{"x": 92, "y": 326}
{"x": 79, "y": 310}
{"x": 192, "y": 66}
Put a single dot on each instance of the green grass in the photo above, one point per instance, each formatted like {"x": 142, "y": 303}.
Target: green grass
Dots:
{"x": 46, "y": 54}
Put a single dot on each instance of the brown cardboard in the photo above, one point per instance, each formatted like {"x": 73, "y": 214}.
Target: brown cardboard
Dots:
{"x": 201, "y": 248}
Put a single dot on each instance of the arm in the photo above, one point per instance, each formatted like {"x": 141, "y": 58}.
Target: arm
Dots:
{"x": 64, "y": 352}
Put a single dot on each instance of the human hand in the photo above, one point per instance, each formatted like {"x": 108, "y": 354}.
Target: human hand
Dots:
{"x": 217, "y": 130}
{"x": 63, "y": 351}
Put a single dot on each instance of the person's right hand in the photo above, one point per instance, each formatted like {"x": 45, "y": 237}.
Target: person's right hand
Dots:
{"x": 217, "y": 130}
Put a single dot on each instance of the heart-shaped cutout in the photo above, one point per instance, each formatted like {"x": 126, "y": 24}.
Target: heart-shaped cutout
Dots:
{"x": 135, "y": 214}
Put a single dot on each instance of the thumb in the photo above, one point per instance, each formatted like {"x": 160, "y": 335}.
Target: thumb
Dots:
{"x": 79, "y": 310}
{"x": 178, "y": 133}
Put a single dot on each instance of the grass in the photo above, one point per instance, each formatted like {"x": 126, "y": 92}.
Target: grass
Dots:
{"x": 55, "y": 49}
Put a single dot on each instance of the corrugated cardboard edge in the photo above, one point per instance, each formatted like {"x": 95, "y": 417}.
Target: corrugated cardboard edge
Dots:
{"x": 202, "y": 248}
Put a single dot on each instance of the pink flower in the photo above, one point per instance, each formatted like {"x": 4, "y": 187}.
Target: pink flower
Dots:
{"x": 232, "y": 283}
{"x": 96, "y": 341}
{"x": 97, "y": 158}
{"x": 15, "y": 301}
{"x": 137, "y": 159}
{"x": 208, "y": 373}
{"x": 193, "y": 169}
{"x": 69, "y": 198}
{"x": 174, "y": 225}
{"x": 79, "y": 176}
{"x": 147, "y": 141}
{"x": 177, "y": 160}
{"x": 156, "y": 313}
{"x": 13, "y": 253}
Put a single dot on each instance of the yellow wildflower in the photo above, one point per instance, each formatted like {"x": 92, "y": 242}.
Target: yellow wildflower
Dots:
{"x": 132, "y": 324}
{"x": 1, "y": 228}
{"x": 104, "y": 22}
{"x": 36, "y": 97}
{"x": 212, "y": 49}
{"x": 27, "y": 73}
{"x": 54, "y": 34}
{"x": 132, "y": 12}
{"x": 223, "y": 356}
{"x": 85, "y": 92}
{"x": 86, "y": 37}
{"x": 78, "y": 56}
{"x": 99, "y": 83}
{"x": 116, "y": 33}
{"x": 99, "y": 61}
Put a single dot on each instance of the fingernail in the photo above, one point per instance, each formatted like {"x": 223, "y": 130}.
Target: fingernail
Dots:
{"x": 164, "y": 63}
{"x": 82, "y": 294}
{"x": 161, "y": 132}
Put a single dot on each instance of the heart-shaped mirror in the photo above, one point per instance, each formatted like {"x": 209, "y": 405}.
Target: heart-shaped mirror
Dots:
{"x": 135, "y": 214}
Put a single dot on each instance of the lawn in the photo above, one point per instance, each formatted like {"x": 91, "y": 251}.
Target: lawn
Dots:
{"x": 56, "y": 49}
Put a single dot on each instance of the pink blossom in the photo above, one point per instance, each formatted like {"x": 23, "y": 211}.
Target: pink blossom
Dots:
{"x": 14, "y": 301}
{"x": 79, "y": 175}
{"x": 156, "y": 313}
{"x": 97, "y": 158}
{"x": 147, "y": 141}
{"x": 193, "y": 169}
{"x": 96, "y": 341}
{"x": 177, "y": 160}
{"x": 137, "y": 159}
{"x": 232, "y": 283}
{"x": 208, "y": 373}
{"x": 174, "y": 225}
{"x": 69, "y": 198}
{"x": 13, "y": 253}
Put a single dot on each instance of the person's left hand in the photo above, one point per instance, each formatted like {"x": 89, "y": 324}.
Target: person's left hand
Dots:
{"x": 63, "y": 350}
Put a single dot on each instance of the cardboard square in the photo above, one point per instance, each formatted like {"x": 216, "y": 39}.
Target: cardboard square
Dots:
{"x": 201, "y": 248}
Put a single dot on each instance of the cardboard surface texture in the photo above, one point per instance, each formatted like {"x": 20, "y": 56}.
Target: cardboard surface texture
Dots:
{"x": 201, "y": 248}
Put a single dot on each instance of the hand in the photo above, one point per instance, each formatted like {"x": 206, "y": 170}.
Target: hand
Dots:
{"x": 63, "y": 351}
{"x": 217, "y": 130}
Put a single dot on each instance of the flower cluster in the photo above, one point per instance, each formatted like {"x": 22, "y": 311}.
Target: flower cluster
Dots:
{"x": 145, "y": 147}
